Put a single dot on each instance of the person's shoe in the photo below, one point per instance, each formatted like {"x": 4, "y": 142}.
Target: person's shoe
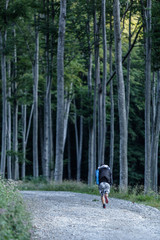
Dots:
{"x": 104, "y": 205}
{"x": 106, "y": 199}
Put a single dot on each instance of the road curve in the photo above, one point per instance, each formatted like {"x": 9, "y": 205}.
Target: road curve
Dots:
{"x": 75, "y": 216}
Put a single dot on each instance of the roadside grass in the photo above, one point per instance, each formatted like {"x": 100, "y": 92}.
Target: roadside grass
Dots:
{"x": 134, "y": 194}
{"x": 15, "y": 223}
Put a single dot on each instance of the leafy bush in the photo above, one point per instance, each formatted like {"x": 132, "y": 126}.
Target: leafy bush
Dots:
{"x": 14, "y": 220}
{"x": 43, "y": 185}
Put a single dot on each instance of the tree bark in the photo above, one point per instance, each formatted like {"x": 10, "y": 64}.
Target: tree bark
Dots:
{"x": 155, "y": 140}
{"x": 128, "y": 75}
{"x": 147, "y": 181}
{"x": 4, "y": 102}
{"x": 92, "y": 140}
{"x": 104, "y": 81}
{"x": 15, "y": 113}
{"x": 35, "y": 103}
{"x": 79, "y": 141}
{"x": 121, "y": 100}
{"x": 46, "y": 153}
{"x": 24, "y": 116}
{"x": 69, "y": 155}
{"x": 48, "y": 142}
{"x": 89, "y": 80}
{"x": 67, "y": 104}
{"x": 60, "y": 94}
{"x": 9, "y": 129}
{"x": 111, "y": 159}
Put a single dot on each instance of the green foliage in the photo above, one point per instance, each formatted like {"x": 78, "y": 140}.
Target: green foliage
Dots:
{"x": 155, "y": 35}
{"x": 136, "y": 195}
{"x": 14, "y": 219}
{"x": 14, "y": 10}
{"x": 41, "y": 184}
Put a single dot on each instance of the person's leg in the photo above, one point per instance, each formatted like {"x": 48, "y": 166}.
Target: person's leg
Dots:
{"x": 107, "y": 191}
{"x": 106, "y": 197}
{"x": 103, "y": 201}
{"x": 101, "y": 190}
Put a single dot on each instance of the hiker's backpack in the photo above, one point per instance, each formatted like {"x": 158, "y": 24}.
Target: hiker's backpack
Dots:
{"x": 105, "y": 172}
{"x": 97, "y": 176}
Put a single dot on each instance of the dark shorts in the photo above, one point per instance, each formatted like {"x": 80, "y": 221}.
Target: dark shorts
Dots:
{"x": 104, "y": 188}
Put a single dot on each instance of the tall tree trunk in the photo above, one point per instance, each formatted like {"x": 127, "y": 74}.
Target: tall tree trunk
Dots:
{"x": 79, "y": 141}
{"x": 121, "y": 100}
{"x": 35, "y": 103}
{"x": 92, "y": 167}
{"x": 51, "y": 148}
{"x": 91, "y": 132}
{"x": 128, "y": 76}
{"x": 99, "y": 120}
{"x": 51, "y": 158}
{"x": 155, "y": 140}
{"x": 89, "y": 80}
{"x": 104, "y": 81}
{"x": 67, "y": 103}
{"x": 24, "y": 116}
{"x": 111, "y": 159}
{"x": 9, "y": 129}
{"x": 48, "y": 153}
{"x": 69, "y": 155}
{"x": 15, "y": 113}
{"x": 97, "y": 76}
{"x": 147, "y": 182}
{"x": 4, "y": 102}
{"x": 46, "y": 130}
{"x": 41, "y": 136}
{"x": 60, "y": 94}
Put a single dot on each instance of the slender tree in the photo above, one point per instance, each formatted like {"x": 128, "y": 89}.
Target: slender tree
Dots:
{"x": 79, "y": 141}
{"x": 24, "y": 125}
{"x": 9, "y": 132}
{"x": 155, "y": 139}
{"x": 35, "y": 101}
{"x": 89, "y": 81}
{"x": 104, "y": 81}
{"x": 147, "y": 182}
{"x": 15, "y": 111}
{"x": 121, "y": 100}
{"x": 4, "y": 101}
{"x": 111, "y": 160}
{"x": 60, "y": 94}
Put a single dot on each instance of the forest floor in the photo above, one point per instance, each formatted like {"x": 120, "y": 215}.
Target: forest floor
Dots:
{"x": 76, "y": 216}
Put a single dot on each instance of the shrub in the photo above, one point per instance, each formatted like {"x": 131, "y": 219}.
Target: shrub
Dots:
{"x": 14, "y": 219}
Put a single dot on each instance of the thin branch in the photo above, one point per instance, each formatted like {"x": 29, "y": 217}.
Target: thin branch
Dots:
{"x": 29, "y": 125}
{"x": 124, "y": 15}
{"x": 124, "y": 58}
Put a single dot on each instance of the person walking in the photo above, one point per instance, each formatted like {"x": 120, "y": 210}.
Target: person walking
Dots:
{"x": 104, "y": 181}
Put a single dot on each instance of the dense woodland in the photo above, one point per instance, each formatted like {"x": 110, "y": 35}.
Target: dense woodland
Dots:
{"x": 80, "y": 86}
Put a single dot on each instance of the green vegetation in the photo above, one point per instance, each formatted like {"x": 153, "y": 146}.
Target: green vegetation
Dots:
{"x": 134, "y": 194}
{"x": 14, "y": 220}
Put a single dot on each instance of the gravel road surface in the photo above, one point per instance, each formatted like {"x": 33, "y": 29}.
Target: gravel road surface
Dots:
{"x": 75, "y": 216}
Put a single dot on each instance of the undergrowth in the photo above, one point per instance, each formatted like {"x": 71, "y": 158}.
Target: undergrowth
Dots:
{"x": 134, "y": 194}
{"x": 14, "y": 219}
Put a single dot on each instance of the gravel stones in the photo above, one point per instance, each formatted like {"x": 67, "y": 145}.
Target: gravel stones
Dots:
{"x": 67, "y": 216}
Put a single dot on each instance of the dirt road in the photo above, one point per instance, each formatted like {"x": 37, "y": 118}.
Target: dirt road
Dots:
{"x": 75, "y": 216}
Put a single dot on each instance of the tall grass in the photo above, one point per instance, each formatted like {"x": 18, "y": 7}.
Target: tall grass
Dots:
{"x": 134, "y": 194}
{"x": 14, "y": 219}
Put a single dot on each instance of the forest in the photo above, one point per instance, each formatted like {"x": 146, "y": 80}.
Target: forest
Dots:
{"x": 80, "y": 86}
